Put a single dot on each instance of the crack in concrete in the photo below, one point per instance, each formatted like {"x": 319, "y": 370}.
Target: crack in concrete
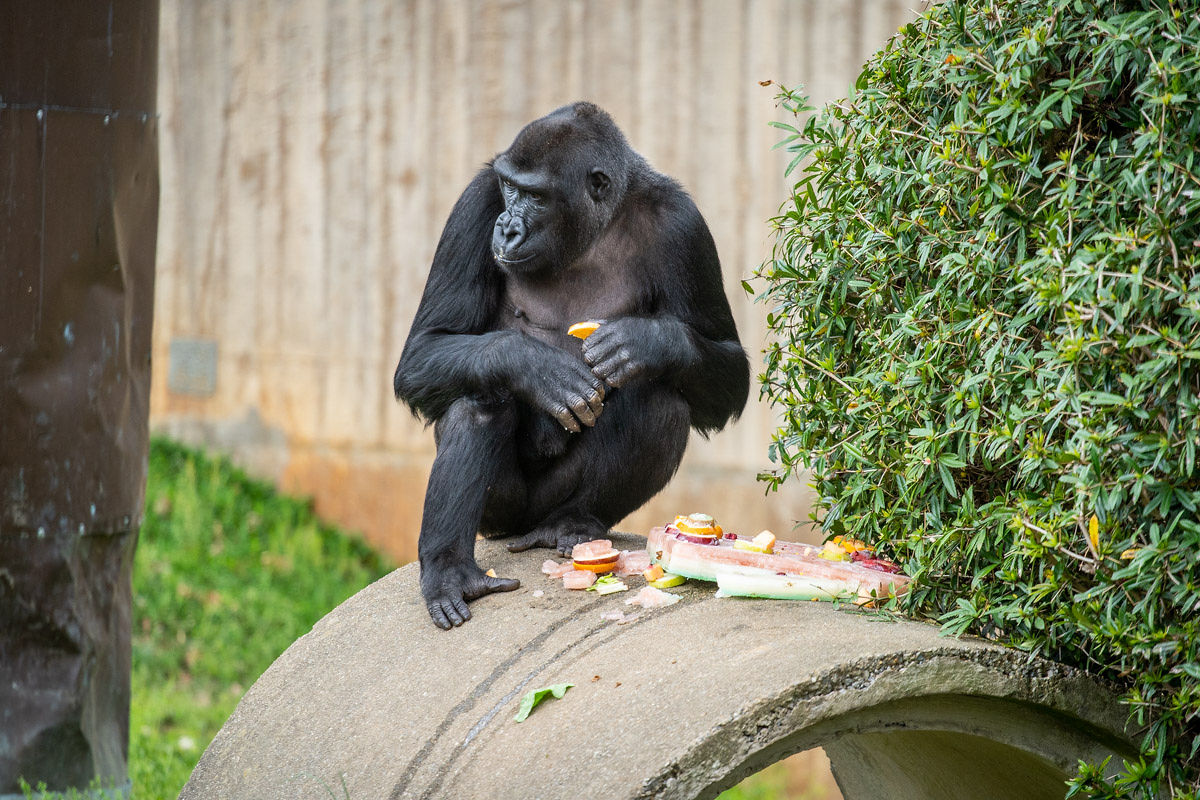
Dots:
{"x": 616, "y": 631}
{"x": 468, "y": 702}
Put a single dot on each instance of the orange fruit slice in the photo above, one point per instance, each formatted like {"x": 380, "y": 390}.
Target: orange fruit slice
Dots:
{"x": 597, "y": 568}
{"x": 582, "y": 330}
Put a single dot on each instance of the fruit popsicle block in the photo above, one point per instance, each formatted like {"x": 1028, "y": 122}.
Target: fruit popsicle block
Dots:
{"x": 705, "y": 561}
{"x": 782, "y": 587}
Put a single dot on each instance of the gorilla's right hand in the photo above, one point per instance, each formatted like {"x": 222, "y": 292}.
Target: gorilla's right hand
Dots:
{"x": 448, "y": 589}
{"x": 559, "y": 384}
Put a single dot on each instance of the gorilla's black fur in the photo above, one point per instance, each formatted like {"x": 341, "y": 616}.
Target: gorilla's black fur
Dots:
{"x": 538, "y": 436}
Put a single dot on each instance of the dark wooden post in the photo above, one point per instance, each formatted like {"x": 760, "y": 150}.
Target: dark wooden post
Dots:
{"x": 78, "y": 220}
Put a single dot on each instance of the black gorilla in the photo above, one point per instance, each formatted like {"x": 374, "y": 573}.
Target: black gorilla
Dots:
{"x": 538, "y": 435}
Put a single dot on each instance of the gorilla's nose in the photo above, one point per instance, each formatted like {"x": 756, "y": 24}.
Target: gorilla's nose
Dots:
{"x": 512, "y": 233}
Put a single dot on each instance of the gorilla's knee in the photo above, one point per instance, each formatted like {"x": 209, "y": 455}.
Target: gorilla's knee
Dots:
{"x": 472, "y": 418}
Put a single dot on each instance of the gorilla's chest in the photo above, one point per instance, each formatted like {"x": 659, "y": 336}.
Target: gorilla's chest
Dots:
{"x": 545, "y": 309}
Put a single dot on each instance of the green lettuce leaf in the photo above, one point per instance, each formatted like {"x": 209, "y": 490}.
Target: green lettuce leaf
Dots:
{"x": 530, "y": 700}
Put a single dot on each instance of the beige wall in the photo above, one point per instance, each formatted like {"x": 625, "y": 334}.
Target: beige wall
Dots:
{"x": 311, "y": 151}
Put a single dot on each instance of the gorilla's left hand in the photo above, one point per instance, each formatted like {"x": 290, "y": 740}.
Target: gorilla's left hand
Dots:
{"x": 633, "y": 348}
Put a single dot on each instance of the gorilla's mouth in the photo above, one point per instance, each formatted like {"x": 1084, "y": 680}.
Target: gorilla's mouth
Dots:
{"x": 500, "y": 259}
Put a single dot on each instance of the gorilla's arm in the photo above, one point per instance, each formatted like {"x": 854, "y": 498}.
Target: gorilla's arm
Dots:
{"x": 690, "y": 338}
{"x": 451, "y": 350}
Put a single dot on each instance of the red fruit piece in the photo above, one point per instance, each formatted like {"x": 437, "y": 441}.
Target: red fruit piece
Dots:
{"x": 880, "y": 564}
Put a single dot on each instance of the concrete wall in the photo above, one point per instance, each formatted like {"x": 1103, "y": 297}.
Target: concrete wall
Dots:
{"x": 311, "y": 151}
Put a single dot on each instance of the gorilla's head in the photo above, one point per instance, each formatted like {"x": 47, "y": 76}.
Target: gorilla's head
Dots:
{"x": 562, "y": 180}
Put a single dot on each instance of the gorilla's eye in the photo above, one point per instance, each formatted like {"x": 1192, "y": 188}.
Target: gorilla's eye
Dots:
{"x": 536, "y": 199}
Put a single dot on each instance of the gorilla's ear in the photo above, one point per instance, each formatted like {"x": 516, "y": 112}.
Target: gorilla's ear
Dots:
{"x": 598, "y": 185}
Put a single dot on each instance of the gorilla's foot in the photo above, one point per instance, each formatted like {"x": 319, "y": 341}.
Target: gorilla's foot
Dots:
{"x": 448, "y": 589}
{"x": 562, "y": 534}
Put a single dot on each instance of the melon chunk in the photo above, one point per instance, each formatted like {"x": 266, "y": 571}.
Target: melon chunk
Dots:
{"x": 649, "y": 597}
{"x": 782, "y": 587}
{"x": 578, "y": 579}
{"x": 556, "y": 569}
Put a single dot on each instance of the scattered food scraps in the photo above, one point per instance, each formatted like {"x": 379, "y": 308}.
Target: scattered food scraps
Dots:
{"x": 578, "y": 579}
{"x": 667, "y": 581}
{"x": 649, "y": 597}
{"x": 765, "y": 567}
{"x": 556, "y": 569}
{"x": 632, "y": 562}
{"x": 608, "y": 584}
{"x": 531, "y": 700}
{"x": 596, "y": 556}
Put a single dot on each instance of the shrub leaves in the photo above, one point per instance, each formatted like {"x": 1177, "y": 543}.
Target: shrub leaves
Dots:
{"x": 985, "y": 307}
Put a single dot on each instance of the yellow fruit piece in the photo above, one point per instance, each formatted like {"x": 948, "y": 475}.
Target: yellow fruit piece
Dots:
{"x": 1094, "y": 532}
{"x": 747, "y": 544}
{"x": 765, "y": 541}
{"x": 582, "y": 330}
{"x": 1130, "y": 553}
{"x": 654, "y": 573}
{"x": 834, "y": 552}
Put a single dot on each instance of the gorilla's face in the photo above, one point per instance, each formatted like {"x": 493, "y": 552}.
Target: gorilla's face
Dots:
{"x": 558, "y": 196}
{"x": 529, "y": 234}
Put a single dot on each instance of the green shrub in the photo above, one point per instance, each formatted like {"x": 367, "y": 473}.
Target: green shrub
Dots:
{"x": 985, "y": 308}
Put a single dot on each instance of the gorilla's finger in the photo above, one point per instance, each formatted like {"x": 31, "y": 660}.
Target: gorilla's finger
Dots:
{"x": 596, "y": 404}
{"x": 566, "y": 547}
{"x": 606, "y": 369}
{"x": 460, "y": 611}
{"x": 583, "y": 411}
{"x": 438, "y": 615}
{"x": 500, "y": 584}
{"x": 564, "y": 417}
{"x": 598, "y": 351}
{"x": 624, "y": 374}
{"x": 540, "y": 537}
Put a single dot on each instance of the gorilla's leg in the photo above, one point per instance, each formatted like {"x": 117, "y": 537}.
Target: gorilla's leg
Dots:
{"x": 609, "y": 470}
{"x": 474, "y": 446}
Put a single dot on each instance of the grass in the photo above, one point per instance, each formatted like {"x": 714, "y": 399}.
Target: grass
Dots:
{"x": 229, "y": 573}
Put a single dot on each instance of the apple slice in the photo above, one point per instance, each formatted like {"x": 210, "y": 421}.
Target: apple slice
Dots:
{"x": 667, "y": 581}
{"x": 697, "y": 538}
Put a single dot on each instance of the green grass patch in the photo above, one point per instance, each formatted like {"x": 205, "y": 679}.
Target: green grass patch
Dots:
{"x": 229, "y": 573}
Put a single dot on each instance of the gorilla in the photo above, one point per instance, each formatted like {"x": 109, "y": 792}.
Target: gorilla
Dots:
{"x": 541, "y": 436}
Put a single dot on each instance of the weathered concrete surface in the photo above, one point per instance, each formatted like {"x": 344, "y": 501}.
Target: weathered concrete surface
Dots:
{"x": 681, "y": 703}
